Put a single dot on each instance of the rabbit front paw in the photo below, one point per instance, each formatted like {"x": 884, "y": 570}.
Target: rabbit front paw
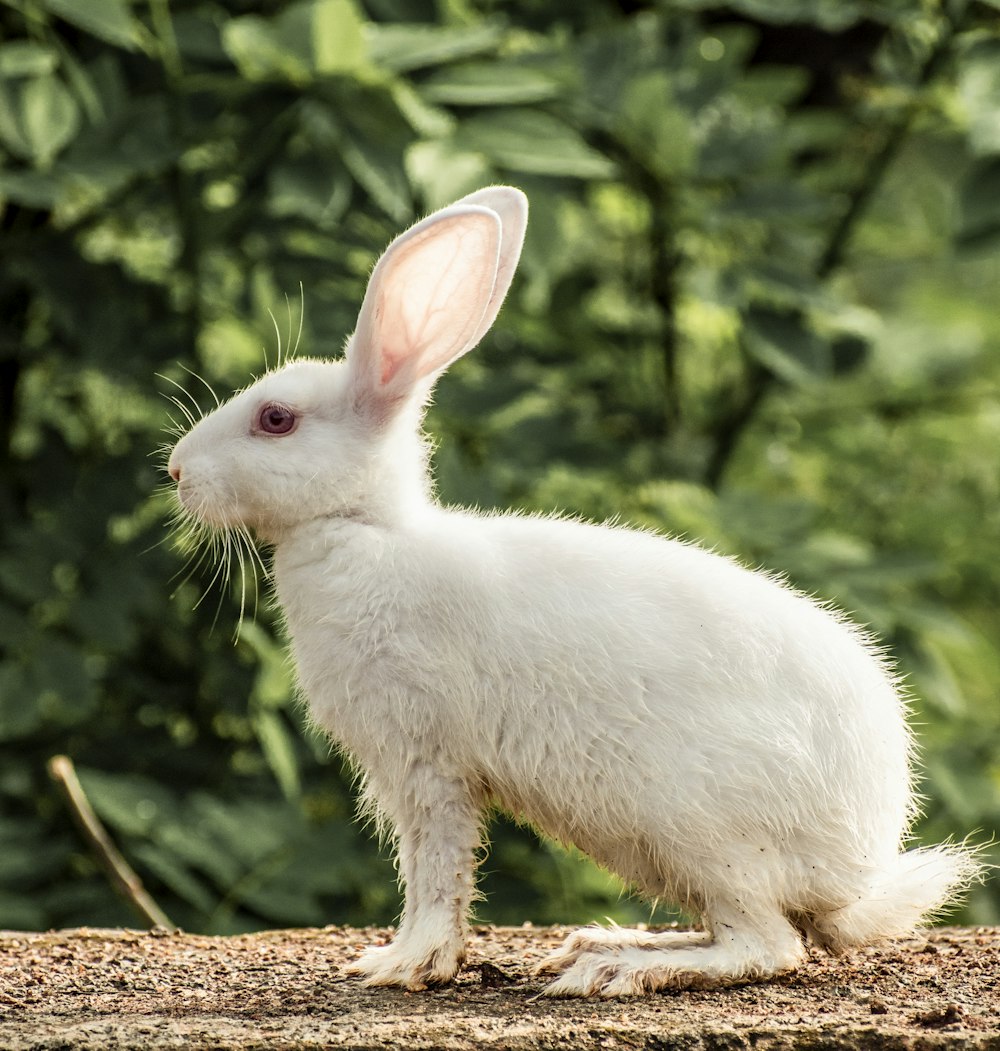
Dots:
{"x": 400, "y": 965}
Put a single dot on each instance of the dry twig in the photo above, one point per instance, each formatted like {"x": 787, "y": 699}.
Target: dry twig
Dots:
{"x": 123, "y": 877}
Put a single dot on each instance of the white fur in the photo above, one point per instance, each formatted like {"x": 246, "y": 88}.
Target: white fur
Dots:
{"x": 703, "y": 731}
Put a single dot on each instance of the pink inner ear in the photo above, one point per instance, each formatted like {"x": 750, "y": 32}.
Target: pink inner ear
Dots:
{"x": 391, "y": 362}
{"x": 430, "y": 294}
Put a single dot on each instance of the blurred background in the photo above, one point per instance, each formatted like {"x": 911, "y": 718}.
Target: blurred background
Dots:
{"x": 758, "y": 307}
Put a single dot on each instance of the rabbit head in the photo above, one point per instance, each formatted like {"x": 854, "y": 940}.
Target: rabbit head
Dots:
{"x": 316, "y": 439}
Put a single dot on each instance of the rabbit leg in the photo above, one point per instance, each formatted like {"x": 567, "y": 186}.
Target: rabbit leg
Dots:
{"x": 437, "y": 823}
{"x": 603, "y": 939}
{"x": 742, "y": 946}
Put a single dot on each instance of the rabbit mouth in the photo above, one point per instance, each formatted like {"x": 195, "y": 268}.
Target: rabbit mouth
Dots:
{"x": 192, "y": 502}
{"x": 205, "y": 508}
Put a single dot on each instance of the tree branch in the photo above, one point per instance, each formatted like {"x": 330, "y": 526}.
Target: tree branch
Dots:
{"x": 665, "y": 265}
{"x": 759, "y": 382}
{"x": 895, "y": 136}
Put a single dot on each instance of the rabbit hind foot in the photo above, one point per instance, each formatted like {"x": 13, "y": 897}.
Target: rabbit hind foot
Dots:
{"x": 732, "y": 955}
{"x": 603, "y": 940}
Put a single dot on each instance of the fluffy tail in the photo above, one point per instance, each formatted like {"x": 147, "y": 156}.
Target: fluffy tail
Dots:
{"x": 916, "y": 886}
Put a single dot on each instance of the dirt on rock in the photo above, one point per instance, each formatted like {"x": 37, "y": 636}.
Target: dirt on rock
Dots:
{"x": 286, "y": 989}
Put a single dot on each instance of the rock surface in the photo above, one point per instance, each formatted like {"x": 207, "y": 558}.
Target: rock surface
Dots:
{"x": 120, "y": 989}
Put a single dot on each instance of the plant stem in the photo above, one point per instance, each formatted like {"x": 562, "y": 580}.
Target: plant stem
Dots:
{"x": 123, "y": 877}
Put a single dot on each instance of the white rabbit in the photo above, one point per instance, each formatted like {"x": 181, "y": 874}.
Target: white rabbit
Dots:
{"x": 703, "y": 731}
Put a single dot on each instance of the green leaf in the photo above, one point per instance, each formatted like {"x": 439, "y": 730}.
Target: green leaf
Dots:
{"x": 979, "y": 205}
{"x": 781, "y": 341}
{"x": 306, "y": 189}
{"x": 129, "y": 803}
{"x": 50, "y": 117}
{"x": 442, "y": 173}
{"x": 26, "y": 570}
{"x": 979, "y": 90}
{"x": 198, "y": 35}
{"x": 109, "y": 20}
{"x": 63, "y": 681}
{"x": 524, "y": 140}
{"x": 38, "y": 117}
{"x": 137, "y": 141}
{"x": 279, "y": 899}
{"x": 774, "y": 85}
{"x": 307, "y": 39}
{"x": 12, "y": 134}
{"x": 832, "y": 15}
{"x": 372, "y": 147}
{"x": 279, "y": 750}
{"x": 196, "y": 843}
{"x": 406, "y": 46}
{"x": 81, "y": 82}
{"x": 655, "y": 127}
{"x": 24, "y": 58}
{"x": 377, "y": 168}
{"x": 20, "y": 715}
{"x": 162, "y": 864}
{"x": 261, "y": 54}
{"x": 426, "y": 119}
{"x": 222, "y": 825}
{"x": 490, "y": 84}
{"x": 339, "y": 44}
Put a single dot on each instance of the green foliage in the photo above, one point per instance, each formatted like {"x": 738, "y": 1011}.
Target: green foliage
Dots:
{"x": 756, "y": 308}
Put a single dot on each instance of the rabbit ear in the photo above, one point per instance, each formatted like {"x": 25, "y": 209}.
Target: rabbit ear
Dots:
{"x": 511, "y": 206}
{"x": 433, "y": 295}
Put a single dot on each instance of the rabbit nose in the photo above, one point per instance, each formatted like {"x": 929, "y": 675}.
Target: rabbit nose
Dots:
{"x": 174, "y": 472}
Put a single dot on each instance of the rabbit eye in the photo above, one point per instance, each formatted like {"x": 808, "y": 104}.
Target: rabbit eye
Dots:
{"x": 276, "y": 419}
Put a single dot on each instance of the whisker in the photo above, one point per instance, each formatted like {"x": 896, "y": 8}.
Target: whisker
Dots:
{"x": 238, "y": 552}
{"x": 288, "y": 342}
{"x": 214, "y": 552}
{"x": 277, "y": 332}
{"x": 256, "y": 582}
{"x": 221, "y": 569}
{"x": 248, "y": 567}
{"x": 293, "y": 348}
{"x": 175, "y": 430}
{"x": 255, "y": 561}
{"x": 193, "y": 565}
{"x": 224, "y": 563}
{"x": 194, "y": 401}
{"x": 302, "y": 317}
{"x": 204, "y": 382}
{"x": 185, "y": 412}
{"x": 254, "y": 552}
{"x": 162, "y": 450}
{"x": 201, "y": 542}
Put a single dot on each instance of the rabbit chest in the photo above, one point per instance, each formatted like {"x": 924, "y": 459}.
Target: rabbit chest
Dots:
{"x": 376, "y": 655}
